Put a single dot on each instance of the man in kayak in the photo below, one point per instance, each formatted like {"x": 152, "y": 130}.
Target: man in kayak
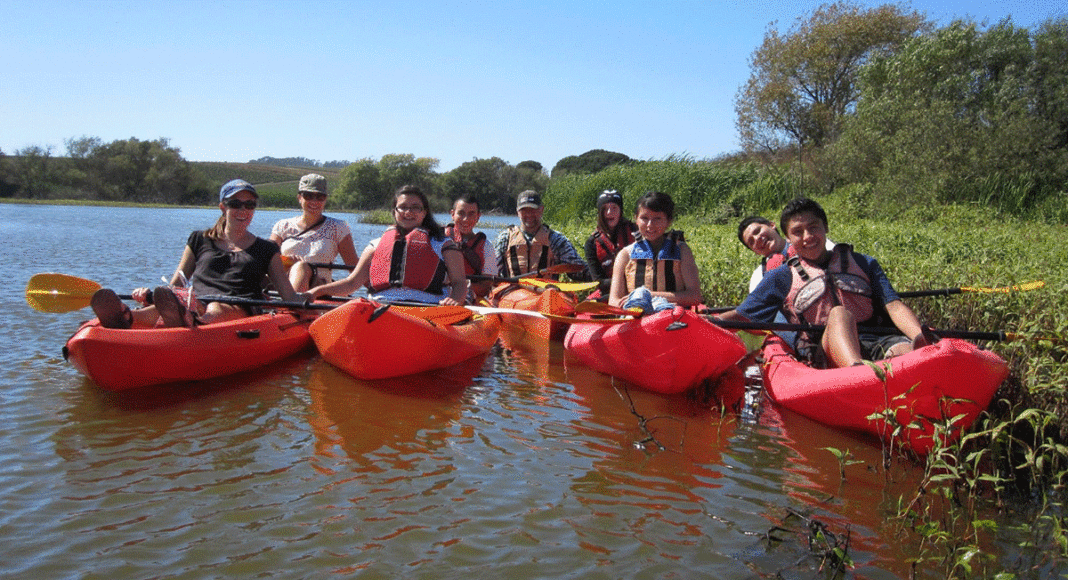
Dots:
{"x": 533, "y": 245}
{"x": 838, "y": 288}
{"x": 476, "y": 249}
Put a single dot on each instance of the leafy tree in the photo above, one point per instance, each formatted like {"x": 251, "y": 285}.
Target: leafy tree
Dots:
{"x": 803, "y": 82}
{"x": 336, "y": 164}
{"x": 964, "y": 115}
{"x": 359, "y": 186}
{"x": 144, "y": 171}
{"x": 493, "y": 181}
{"x": 591, "y": 161}
{"x": 369, "y": 184}
{"x": 34, "y": 171}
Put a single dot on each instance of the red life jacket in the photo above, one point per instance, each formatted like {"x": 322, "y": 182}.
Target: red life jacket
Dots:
{"x": 408, "y": 261}
{"x": 607, "y": 248}
{"x": 472, "y": 249}
{"x": 814, "y": 291}
{"x": 778, "y": 258}
{"x": 522, "y": 256}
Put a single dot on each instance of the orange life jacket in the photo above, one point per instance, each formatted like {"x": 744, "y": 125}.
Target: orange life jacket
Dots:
{"x": 522, "y": 256}
{"x": 408, "y": 261}
{"x": 607, "y": 248}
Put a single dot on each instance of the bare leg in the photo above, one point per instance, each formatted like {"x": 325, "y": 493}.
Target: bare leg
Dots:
{"x": 218, "y": 312}
{"x": 840, "y": 341}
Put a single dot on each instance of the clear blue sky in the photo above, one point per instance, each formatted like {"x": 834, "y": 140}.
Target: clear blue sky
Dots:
{"x": 537, "y": 80}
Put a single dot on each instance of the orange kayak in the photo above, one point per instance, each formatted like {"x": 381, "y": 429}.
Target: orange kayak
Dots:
{"x": 369, "y": 341}
{"x": 947, "y": 379}
{"x": 667, "y": 352}
{"x": 544, "y": 300}
{"x": 117, "y": 359}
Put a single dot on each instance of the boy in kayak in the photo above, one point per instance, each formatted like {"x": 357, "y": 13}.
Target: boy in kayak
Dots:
{"x": 838, "y": 288}
{"x": 658, "y": 271}
{"x": 479, "y": 258}
{"x": 761, "y": 236}
{"x": 533, "y": 245}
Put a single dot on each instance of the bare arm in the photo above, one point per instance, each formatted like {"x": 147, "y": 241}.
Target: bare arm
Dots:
{"x": 185, "y": 267}
{"x": 904, "y": 319}
{"x": 619, "y": 291}
{"x": 348, "y": 251}
{"x": 454, "y": 263}
{"x": 357, "y": 278}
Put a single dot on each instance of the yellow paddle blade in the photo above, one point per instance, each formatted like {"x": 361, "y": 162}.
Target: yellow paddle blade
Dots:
{"x": 593, "y": 307}
{"x": 563, "y": 286}
{"x": 58, "y": 293}
{"x": 440, "y": 315}
{"x": 1006, "y": 289}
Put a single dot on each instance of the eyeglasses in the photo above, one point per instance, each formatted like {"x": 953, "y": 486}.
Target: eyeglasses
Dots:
{"x": 409, "y": 208}
{"x": 313, "y": 195}
{"x": 238, "y": 204}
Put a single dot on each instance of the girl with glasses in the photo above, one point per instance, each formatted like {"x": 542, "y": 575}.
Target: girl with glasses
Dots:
{"x": 413, "y": 260}
{"x": 312, "y": 237}
{"x": 226, "y": 259}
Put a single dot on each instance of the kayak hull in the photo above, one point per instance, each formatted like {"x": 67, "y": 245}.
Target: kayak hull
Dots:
{"x": 667, "y": 352}
{"x": 118, "y": 359}
{"x": 395, "y": 342}
{"x": 545, "y": 301}
{"x": 924, "y": 387}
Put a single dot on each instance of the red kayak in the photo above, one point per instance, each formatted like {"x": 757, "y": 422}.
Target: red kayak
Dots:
{"x": 370, "y": 341}
{"x": 118, "y": 359}
{"x": 547, "y": 300}
{"x": 949, "y": 378}
{"x": 668, "y": 352}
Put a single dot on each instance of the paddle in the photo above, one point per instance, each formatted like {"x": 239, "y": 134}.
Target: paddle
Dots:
{"x": 524, "y": 279}
{"x": 943, "y": 333}
{"x": 58, "y": 293}
{"x": 951, "y": 291}
{"x": 1026, "y": 286}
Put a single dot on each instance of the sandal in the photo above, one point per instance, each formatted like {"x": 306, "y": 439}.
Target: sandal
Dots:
{"x": 170, "y": 308}
{"x": 109, "y": 310}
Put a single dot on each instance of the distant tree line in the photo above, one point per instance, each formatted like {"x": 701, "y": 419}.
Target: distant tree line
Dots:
{"x": 299, "y": 162}
{"x": 875, "y": 101}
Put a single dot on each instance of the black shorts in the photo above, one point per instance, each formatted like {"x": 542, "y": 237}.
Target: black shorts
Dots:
{"x": 874, "y": 347}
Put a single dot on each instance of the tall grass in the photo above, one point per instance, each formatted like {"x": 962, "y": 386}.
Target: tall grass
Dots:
{"x": 715, "y": 190}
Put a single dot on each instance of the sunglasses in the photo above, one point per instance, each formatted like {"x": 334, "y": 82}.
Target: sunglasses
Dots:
{"x": 312, "y": 195}
{"x": 238, "y": 204}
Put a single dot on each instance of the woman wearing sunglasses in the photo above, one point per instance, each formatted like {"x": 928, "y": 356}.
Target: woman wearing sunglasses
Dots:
{"x": 413, "y": 260}
{"x": 225, "y": 259}
{"x": 312, "y": 237}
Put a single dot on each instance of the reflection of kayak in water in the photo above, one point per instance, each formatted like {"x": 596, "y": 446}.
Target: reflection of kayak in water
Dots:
{"x": 373, "y": 341}
{"x": 924, "y": 387}
{"x": 117, "y": 359}
{"x": 667, "y": 352}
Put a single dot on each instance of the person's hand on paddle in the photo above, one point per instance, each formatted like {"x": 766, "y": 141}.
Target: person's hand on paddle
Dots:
{"x": 924, "y": 338}
{"x": 142, "y": 295}
{"x": 449, "y": 301}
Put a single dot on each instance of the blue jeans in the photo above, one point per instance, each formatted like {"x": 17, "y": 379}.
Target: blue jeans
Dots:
{"x": 642, "y": 298}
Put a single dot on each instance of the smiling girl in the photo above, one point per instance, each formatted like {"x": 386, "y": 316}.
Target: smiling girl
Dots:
{"x": 657, "y": 271}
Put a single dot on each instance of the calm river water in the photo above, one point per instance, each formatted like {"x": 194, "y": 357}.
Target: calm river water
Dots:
{"x": 521, "y": 464}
